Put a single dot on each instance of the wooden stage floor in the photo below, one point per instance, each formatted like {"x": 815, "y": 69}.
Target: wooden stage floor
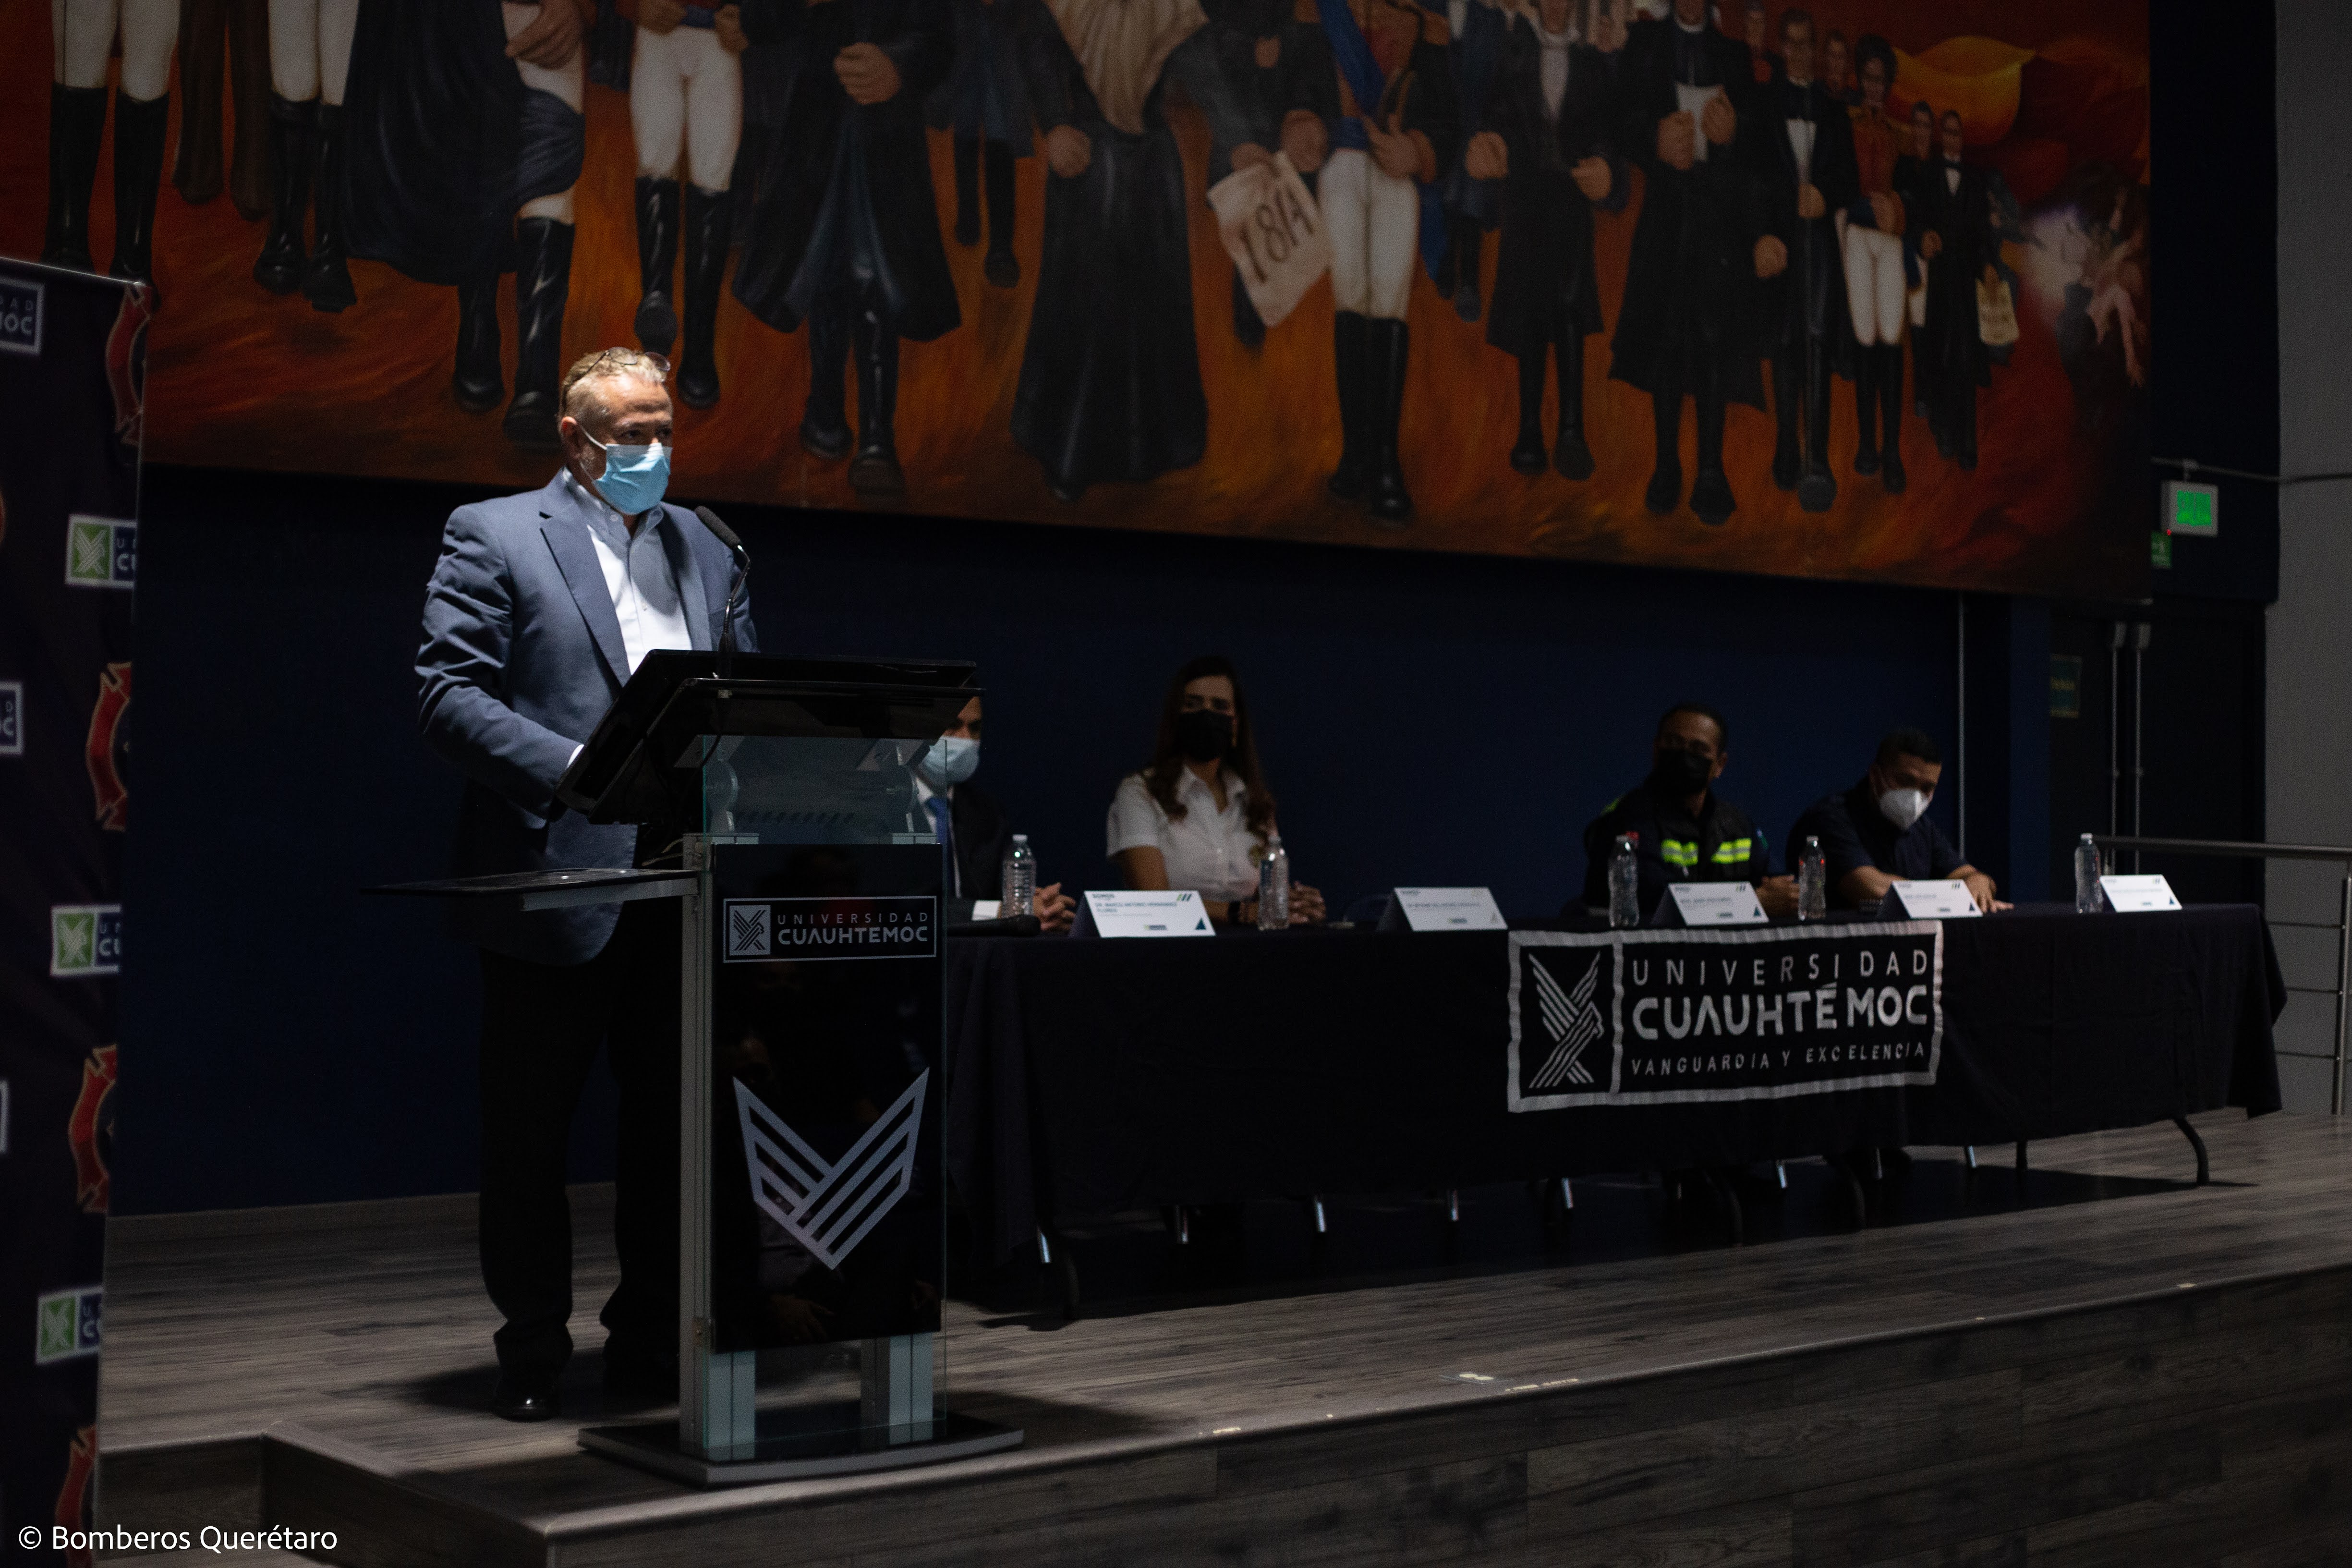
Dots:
{"x": 2111, "y": 1366}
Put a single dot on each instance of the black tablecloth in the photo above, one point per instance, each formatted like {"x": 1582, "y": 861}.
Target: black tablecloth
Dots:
{"x": 1090, "y": 1077}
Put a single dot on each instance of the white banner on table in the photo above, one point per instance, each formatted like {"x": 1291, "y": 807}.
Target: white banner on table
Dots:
{"x": 2138, "y": 895}
{"x": 1656, "y": 1018}
{"x": 1177, "y": 912}
{"x": 1940, "y": 900}
{"x": 1699, "y": 904}
{"x": 1442, "y": 909}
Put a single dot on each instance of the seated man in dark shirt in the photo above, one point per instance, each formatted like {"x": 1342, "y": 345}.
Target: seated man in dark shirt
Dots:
{"x": 1682, "y": 831}
{"x": 1877, "y": 833}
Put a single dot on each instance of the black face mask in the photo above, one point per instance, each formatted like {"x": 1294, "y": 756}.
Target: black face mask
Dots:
{"x": 1204, "y": 736}
{"x": 1681, "y": 773}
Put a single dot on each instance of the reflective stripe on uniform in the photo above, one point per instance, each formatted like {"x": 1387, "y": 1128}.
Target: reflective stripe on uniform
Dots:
{"x": 1678, "y": 852}
{"x": 1731, "y": 851}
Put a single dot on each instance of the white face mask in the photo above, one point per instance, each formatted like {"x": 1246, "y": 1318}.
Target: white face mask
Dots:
{"x": 1904, "y": 807}
{"x": 951, "y": 760}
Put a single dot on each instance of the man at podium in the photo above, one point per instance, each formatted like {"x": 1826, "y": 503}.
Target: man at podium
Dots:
{"x": 541, "y": 607}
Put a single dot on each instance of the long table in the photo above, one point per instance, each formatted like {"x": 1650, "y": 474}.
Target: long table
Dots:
{"x": 1087, "y": 1077}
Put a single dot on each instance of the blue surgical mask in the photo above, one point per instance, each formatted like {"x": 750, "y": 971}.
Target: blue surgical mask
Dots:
{"x": 951, "y": 760}
{"x": 635, "y": 477}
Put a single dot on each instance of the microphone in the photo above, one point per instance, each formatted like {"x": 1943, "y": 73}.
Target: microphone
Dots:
{"x": 726, "y": 536}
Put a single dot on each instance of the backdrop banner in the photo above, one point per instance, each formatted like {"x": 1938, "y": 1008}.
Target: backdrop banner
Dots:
{"x": 1387, "y": 273}
{"x": 72, "y": 371}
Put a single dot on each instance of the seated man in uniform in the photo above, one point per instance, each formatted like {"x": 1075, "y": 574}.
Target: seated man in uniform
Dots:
{"x": 1682, "y": 830}
{"x": 1877, "y": 833}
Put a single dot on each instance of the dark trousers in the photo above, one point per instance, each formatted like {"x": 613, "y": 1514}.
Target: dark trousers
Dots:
{"x": 542, "y": 1026}
{"x": 238, "y": 31}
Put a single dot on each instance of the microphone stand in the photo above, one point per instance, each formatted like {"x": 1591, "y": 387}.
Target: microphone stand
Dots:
{"x": 726, "y": 536}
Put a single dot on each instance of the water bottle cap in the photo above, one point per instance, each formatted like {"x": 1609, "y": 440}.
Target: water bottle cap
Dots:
{"x": 2088, "y": 839}
{"x": 1020, "y": 839}
{"x": 1274, "y": 841}
{"x": 1813, "y": 841}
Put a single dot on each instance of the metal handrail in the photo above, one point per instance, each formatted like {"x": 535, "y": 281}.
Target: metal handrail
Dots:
{"x": 2235, "y": 849}
{"x": 2229, "y": 847}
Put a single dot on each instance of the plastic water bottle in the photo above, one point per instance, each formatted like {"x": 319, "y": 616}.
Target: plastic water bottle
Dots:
{"x": 1624, "y": 886}
{"x": 1020, "y": 879}
{"x": 2088, "y": 870}
{"x": 1274, "y": 886}
{"x": 1813, "y": 882}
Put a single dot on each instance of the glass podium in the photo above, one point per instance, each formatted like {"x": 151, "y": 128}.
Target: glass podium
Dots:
{"x": 811, "y": 1224}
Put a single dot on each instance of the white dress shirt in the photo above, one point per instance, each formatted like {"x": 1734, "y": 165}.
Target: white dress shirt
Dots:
{"x": 1210, "y": 851}
{"x": 646, "y": 597}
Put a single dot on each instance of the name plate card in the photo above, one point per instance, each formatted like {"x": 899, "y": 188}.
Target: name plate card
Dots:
{"x": 1442, "y": 909}
{"x": 2138, "y": 895}
{"x": 1177, "y": 912}
{"x": 1699, "y": 904}
{"x": 1940, "y": 900}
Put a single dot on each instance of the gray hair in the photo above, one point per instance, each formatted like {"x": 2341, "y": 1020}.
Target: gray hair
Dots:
{"x": 606, "y": 365}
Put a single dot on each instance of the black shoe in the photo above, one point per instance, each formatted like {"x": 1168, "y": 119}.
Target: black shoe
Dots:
{"x": 1711, "y": 497}
{"x": 519, "y": 1398}
{"x": 1865, "y": 462}
{"x": 1570, "y": 457}
{"x": 1968, "y": 461}
{"x": 1665, "y": 490}
{"x": 475, "y": 383}
{"x": 1891, "y": 477}
{"x": 1352, "y": 366}
{"x": 657, "y": 320}
{"x": 1787, "y": 465}
{"x": 1527, "y": 455}
{"x": 710, "y": 219}
{"x": 1001, "y": 269}
{"x": 77, "y": 122}
{"x": 1816, "y": 491}
{"x": 830, "y": 444}
{"x": 1944, "y": 446}
{"x": 542, "y": 282}
{"x": 327, "y": 281}
{"x": 1391, "y": 348}
{"x": 292, "y": 129}
{"x": 140, "y": 130}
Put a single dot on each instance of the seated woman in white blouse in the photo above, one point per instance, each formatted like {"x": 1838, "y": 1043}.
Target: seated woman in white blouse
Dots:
{"x": 1199, "y": 815}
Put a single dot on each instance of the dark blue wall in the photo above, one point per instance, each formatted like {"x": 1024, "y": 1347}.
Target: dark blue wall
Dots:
{"x": 1425, "y": 719}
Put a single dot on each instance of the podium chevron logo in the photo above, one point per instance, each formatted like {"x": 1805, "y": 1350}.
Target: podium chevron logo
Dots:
{"x": 1571, "y": 1019}
{"x": 828, "y": 1207}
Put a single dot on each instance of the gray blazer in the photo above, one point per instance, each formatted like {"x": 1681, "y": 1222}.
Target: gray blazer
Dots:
{"x": 522, "y": 655}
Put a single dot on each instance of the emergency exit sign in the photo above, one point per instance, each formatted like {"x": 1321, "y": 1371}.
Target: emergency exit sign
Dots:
{"x": 2191, "y": 508}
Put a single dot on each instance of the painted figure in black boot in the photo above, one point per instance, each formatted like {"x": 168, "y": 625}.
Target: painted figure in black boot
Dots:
{"x": 1482, "y": 33}
{"x": 1956, "y": 216}
{"x": 1680, "y": 86}
{"x": 88, "y": 32}
{"x": 461, "y": 196}
{"x": 1545, "y": 137}
{"x": 686, "y": 109}
{"x": 1874, "y": 270}
{"x": 985, "y": 104}
{"x": 1805, "y": 176}
{"x": 1371, "y": 107}
{"x": 847, "y": 233}
{"x": 309, "y": 59}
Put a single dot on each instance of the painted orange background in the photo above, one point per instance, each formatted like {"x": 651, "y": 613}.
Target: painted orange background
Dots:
{"x": 240, "y": 378}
